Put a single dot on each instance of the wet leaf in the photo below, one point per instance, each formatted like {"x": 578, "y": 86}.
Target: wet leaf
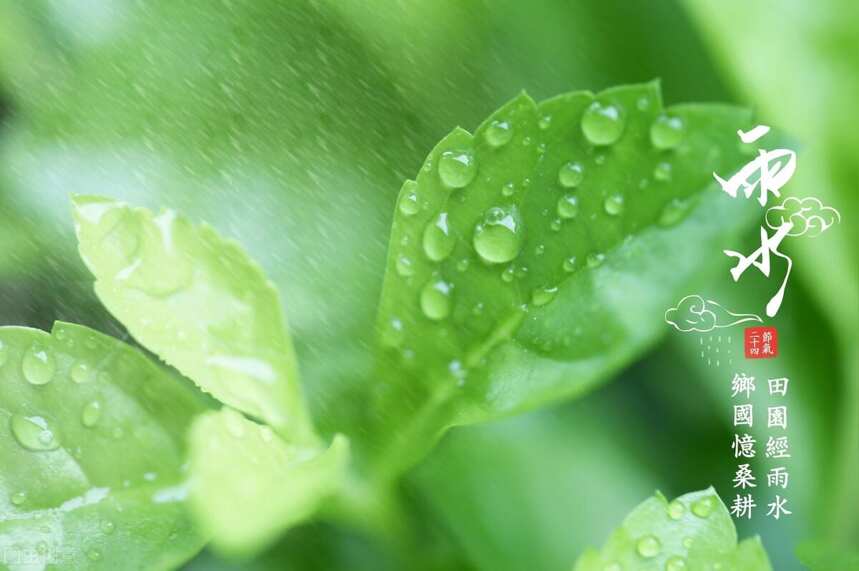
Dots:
{"x": 249, "y": 485}
{"x": 92, "y": 448}
{"x": 527, "y": 261}
{"x": 198, "y": 302}
{"x": 690, "y": 533}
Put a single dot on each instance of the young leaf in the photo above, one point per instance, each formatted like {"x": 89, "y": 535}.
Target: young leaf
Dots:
{"x": 692, "y": 533}
{"x": 200, "y": 303}
{"x": 528, "y": 261}
{"x": 92, "y": 448}
{"x": 248, "y": 485}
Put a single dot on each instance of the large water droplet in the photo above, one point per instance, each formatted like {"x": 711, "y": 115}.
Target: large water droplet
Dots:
{"x": 613, "y": 205}
{"x": 648, "y": 546}
{"x": 435, "y": 299}
{"x": 542, "y": 296}
{"x": 38, "y": 365}
{"x": 676, "y": 509}
{"x": 91, "y": 414}
{"x": 675, "y": 563}
{"x": 405, "y": 266}
{"x": 602, "y": 124}
{"x": 666, "y": 132}
{"x": 570, "y": 175}
{"x": 456, "y": 168}
{"x": 409, "y": 200}
{"x": 673, "y": 212}
{"x": 438, "y": 241}
{"x": 703, "y": 507}
{"x": 568, "y": 206}
{"x": 498, "y": 238}
{"x": 34, "y": 433}
{"x": 498, "y": 133}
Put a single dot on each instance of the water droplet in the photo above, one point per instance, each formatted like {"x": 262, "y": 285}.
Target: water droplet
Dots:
{"x": 569, "y": 264}
{"x": 42, "y": 547}
{"x": 648, "y": 546}
{"x": 687, "y": 542}
{"x": 602, "y": 124}
{"x": 508, "y": 189}
{"x": 4, "y": 353}
{"x": 703, "y": 507}
{"x": 662, "y": 172}
{"x": 409, "y": 201}
{"x": 555, "y": 225}
{"x": 91, "y": 414}
{"x": 526, "y": 141}
{"x": 435, "y": 299}
{"x": 666, "y": 132}
{"x": 571, "y": 174}
{"x": 405, "y": 267}
{"x": 543, "y": 295}
{"x": 81, "y": 373}
{"x": 613, "y": 205}
{"x": 545, "y": 122}
{"x": 18, "y": 498}
{"x": 498, "y": 238}
{"x": 643, "y": 103}
{"x": 462, "y": 265}
{"x": 508, "y": 274}
{"x": 34, "y": 433}
{"x": 676, "y": 509}
{"x": 595, "y": 260}
{"x": 613, "y": 567}
{"x": 673, "y": 212}
{"x": 456, "y": 168}
{"x": 394, "y": 333}
{"x": 568, "y": 206}
{"x": 38, "y": 365}
{"x": 93, "y": 554}
{"x": 438, "y": 241}
{"x": 477, "y": 309}
{"x": 675, "y": 563}
{"x": 498, "y": 133}
{"x": 539, "y": 250}
{"x": 108, "y": 526}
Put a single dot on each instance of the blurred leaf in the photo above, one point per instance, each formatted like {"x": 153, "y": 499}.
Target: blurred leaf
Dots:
{"x": 248, "y": 485}
{"x": 200, "y": 303}
{"x": 528, "y": 262}
{"x": 818, "y": 556}
{"x": 92, "y": 453}
{"x": 692, "y": 532}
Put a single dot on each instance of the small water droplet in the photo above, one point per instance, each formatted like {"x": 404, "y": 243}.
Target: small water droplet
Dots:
{"x": 662, "y": 172}
{"x": 570, "y": 175}
{"x": 673, "y": 212}
{"x": 18, "y": 498}
{"x": 648, "y": 546}
{"x": 498, "y": 133}
{"x": 4, "y": 353}
{"x": 643, "y": 103}
{"x": 409, "y": 202}
{"x": 545, "y": 122}
{"x": 613, "y": 205}
{"x": 477, "y": 309}
{"x": 539, "y": 250}
{"x": 542, "y": 296}
{"x": 508, "y": 189}
{"x": 91, "y": 414}
{"x": 595, "y": 260}
{"x": 676, "y": 509}
{"x": 457, "y": 168}
{"x": 703, "y": 507}
{"x": 568, "y": 206}
{"x": 438, "y": 241}
{"x": 666, "y": 132}
{"x": 108, "y": 526}
{"x": 675, "y": 563}
{"x": 526, "y": 141}
{"x": 42, "y": 547}
{"x": 555, "y": 225}
{"x": 498, "y": 238}
{"x": 569, "y": 264}
{"x": 93, "y": 554}
{"x": 405, "y": 267}
{"x": 602, "y": 124}
{"x": 435, "y": 299}
{"x": 38, "y": 365}
{"x": 462, "y": 265}
{"x": 687, "y": 542}
{"x": 508, "y": 274}
{"x": 394, "y": 333}
{"x": 118, "y": 432}
{"x": 81, "y": 373}
{"x": 34, "y": 433}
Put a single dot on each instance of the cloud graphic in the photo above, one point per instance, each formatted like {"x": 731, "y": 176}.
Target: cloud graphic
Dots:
{"x": 694, "y": 313}
{"x": 808, "y": 216}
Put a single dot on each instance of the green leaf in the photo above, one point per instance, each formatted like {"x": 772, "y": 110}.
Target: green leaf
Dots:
{"x": 820, "y": 556}
{"x": 248, "y": 485}
{"x": 200, "y": 303}
{"x": 692, "y": 533}
{"x": 528, "y": 261}
{"x": 92, "y": 449}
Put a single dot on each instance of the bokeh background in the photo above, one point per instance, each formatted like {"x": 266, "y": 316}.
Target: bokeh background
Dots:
{"x": 290, "y": 127}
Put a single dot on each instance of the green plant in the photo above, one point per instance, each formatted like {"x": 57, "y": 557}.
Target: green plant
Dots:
{"x": 526, "y": 264}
